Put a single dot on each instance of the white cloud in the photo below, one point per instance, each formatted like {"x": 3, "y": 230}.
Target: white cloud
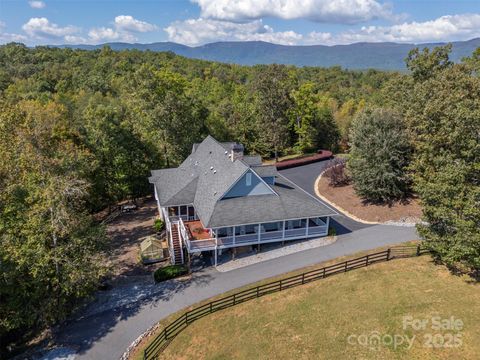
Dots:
{"x": 42, "y": 28}
{"x": 124, "y": 28}
{"x": 445, "y": 28}
{"x": 73, "y": 39}
{"x": 102, "y": 34}
{"x": 37, "y": 4}
{"x": 326, "y": 11}
{"x": 199, "y": 31}
{"x": 127, "y": 23}
{"x": 9, "y": 37}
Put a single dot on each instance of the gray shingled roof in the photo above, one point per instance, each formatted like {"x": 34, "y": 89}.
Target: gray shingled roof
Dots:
{"x": 291, "y": 203}
{"x": 266, "y": 170}
{"x": 208, "y": 173}
{"x": 252, "y": 160}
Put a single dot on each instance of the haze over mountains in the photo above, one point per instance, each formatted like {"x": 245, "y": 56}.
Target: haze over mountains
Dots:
{"x": 383, "y": 56}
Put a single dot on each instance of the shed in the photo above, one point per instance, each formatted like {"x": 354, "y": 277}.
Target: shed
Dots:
{"x": 151, "y": 250}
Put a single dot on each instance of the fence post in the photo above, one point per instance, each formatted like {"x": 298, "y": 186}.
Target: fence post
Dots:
{"x": 418, "y": 250}
{"x": 388, "y": 254}
{"x": 186, "y": 318}
{"x": 324, "y": 272}
{"x": 366, "y": 262}
{"x": 258, "y": 290}
{"x": 346, "y": 265}
{"x": 145, "y": 354}
{"x": 234, "y": 299}
{"x": 211, "y": 307}
{"x": 280, "y": 285}
{"x": 303, "y": 278}
{"x": 165, "y": 333}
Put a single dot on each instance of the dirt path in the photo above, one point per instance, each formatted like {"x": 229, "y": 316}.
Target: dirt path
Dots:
{"x": 125, "y": 232}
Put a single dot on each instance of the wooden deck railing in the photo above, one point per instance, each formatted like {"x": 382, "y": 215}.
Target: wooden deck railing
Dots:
{"x": 162, "y": 340}
{"x": 251, "y": 239}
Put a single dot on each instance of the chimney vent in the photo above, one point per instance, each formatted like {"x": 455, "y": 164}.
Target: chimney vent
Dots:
{"x": 236, "y": 151}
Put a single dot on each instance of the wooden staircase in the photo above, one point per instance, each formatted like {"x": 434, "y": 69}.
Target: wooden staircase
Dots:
{"x": 177, "y": 247}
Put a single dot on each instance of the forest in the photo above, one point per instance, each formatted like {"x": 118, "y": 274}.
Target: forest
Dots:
{"x": 80, "y": 131}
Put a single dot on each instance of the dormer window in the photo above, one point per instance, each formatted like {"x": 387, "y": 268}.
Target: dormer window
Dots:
{"x": 248, "y": 179}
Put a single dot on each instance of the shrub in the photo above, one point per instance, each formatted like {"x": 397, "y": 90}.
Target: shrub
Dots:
{"x": 332, "y": 231}
{"x": 169, "y": 272}
{"x": 336, "y": 172}
{"x": 158, "y": 225}
{"x": 379, "y": 156}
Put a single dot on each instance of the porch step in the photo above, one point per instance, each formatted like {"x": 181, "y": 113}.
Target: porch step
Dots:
{"x": 177, "y": 249}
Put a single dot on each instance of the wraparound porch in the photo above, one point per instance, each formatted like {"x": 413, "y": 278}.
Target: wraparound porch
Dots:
{"x": 251, "y": 234}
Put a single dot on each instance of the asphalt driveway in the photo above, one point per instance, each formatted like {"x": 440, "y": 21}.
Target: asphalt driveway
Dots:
{"x": 305, "y": 176}
{"x": 107, "y": 334}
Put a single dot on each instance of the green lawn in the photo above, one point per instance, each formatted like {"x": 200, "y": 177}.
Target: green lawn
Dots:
{"x": 316, "y": 320}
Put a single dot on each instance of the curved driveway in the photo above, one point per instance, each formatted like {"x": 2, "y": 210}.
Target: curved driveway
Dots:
{"x": 305, "y": 177}
{"x": 106, "y": 335}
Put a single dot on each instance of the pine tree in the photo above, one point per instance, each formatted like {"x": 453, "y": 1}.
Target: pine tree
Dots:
{"x": 380, "y": 153}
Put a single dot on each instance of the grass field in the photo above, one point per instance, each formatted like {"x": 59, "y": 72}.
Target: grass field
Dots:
{"x": 333, "y": 318}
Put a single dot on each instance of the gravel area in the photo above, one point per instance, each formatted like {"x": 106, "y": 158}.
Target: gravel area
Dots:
{"x": 133, "y": 291}
{"x": 271, "y": 251}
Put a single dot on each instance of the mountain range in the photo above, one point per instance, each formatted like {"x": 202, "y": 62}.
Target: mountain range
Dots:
{"x": 382, "y": 56}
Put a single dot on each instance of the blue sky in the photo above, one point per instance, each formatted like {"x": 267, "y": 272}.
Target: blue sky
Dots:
{"x": 197, "y": 22}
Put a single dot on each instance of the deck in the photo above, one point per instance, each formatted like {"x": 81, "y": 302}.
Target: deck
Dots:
{"x": 196, "y": 231}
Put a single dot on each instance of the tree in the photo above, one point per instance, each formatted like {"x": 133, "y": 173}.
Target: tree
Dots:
{"x": 49, "y": 245}
{"x": 445, "y": 125}
{"x": 312, "y": 120}
{"x": 425, "y": 64}
{"x": 122, "y": 161}
{"x": 164, "y": 113}
{"x": 379, "y": 155}
{"x": 272, "y": 89}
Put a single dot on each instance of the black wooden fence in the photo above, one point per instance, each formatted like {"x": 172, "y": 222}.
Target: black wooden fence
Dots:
{"x": 168, "y": 333}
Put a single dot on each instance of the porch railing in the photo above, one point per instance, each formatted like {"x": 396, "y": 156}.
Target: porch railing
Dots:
{"x": 212, "y": 243}
{"x": 183, "y": 217}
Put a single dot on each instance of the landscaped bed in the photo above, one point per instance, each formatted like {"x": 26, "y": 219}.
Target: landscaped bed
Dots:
{"x": 327, "y": 319}
{"x": 304, "y": 160}
{"x": 345, "y": 197}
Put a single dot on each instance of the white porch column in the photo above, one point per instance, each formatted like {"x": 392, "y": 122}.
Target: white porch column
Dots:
{"x": 283, "y": 230}
{"x": 259, "y": 232}
{"x": 306, "y": 228}
{"x": 158, "y": 203}
{"x": 234, "y": 235}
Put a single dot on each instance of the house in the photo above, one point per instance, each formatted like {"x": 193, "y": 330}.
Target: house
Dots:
{"x": 219, "y": 198}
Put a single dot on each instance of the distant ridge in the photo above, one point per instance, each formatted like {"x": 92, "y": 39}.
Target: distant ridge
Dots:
{"x": 382, "y": 56}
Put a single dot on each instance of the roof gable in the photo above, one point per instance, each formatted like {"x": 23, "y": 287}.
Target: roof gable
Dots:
{"x": 241, "y": 187}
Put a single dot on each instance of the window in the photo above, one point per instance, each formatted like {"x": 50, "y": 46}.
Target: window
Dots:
{"x": 224, "y": 232}
{"x": 248, "y": 179}
{"x": 296, "y": 224}
{"x": 273, "y": 226}
{"x": 251, "y": 229}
